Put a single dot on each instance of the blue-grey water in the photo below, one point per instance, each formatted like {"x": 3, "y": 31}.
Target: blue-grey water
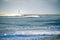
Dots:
{"x": 11, "y": 25}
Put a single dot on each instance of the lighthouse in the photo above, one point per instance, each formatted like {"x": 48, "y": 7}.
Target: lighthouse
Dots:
{"x": 18, "y": 13}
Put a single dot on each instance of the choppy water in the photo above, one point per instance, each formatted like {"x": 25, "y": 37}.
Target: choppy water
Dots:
{"x": 13, "y": 25}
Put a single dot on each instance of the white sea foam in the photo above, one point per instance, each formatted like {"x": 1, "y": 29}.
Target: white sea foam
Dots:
{"x": 36, "y": 32}
{"x": 30, "y": 16}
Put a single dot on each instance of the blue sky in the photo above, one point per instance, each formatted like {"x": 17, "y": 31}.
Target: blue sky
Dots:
{"x": 30, "y": 6}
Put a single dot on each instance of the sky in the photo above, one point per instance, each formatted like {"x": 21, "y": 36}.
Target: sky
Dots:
{"x": 30, "y": 6}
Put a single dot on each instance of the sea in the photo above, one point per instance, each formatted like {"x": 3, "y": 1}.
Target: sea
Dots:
{"x": 45, "y": 27}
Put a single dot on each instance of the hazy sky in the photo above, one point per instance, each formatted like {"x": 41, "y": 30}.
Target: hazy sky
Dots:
{"x": 30, "y": 6}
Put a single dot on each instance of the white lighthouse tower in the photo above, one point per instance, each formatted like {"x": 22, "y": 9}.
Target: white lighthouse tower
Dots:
{"x": 18, "y": 13}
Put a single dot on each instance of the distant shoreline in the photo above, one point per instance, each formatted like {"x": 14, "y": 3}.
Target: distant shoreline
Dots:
{"x": 33, "y": 15}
